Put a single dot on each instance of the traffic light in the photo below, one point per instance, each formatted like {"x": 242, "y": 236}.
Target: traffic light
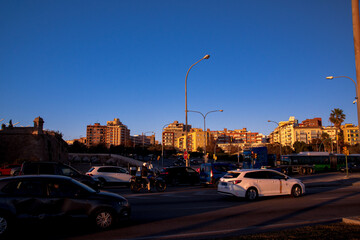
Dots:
{"x": 255, "y": 155}
{"x": 252, "y": 154}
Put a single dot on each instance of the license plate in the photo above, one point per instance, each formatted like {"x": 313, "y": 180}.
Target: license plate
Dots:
{"x": 223, "y": 183}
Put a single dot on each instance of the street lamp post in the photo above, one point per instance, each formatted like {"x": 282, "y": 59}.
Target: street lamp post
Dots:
{"x": 205, "y": 134}
{"x": 356, "y": 96}
{"x": 186, "y": 110}
{"x": 162, "y": 145}
{"x": 143, "y": 136}
{"x": 279, "y": 134}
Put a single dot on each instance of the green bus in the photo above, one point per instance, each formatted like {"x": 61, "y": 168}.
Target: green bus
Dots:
{"x": 311, "y": 162}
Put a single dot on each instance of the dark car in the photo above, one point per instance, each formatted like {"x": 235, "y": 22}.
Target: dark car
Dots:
{"x": 210, "y": 173}
{"x": 352, "y": 167}
{"x": 56, "y": 168}
{"x": 180, "y": 175}
{"x": 49, "y": 197}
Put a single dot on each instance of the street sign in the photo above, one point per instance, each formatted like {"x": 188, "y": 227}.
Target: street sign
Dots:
{"x": 186, "y": 155}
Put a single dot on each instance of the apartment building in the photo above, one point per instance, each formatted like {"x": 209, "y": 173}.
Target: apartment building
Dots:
{"x": 351, "y": 134}
{"x": 95, "y": 134}
{"x": 114, "y": 133}
{"x": 117, "y": 133}
{"x": 288, "y": 132}
{"x": 173, "y": 132}
{"x": 196, "y": 139}
{"x": 308, "y": 130}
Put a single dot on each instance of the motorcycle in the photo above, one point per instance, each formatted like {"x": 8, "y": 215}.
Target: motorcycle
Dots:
{"x": 138, "y": 183}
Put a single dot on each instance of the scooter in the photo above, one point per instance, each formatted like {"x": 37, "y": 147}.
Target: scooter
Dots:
{"x": 138, "y": 183}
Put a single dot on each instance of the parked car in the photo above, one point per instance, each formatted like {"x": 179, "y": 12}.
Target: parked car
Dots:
{"x": 196, "y": 161}
{"x": 254, "y": 183}
{"x": 6, "y": 170}
{"x": 56, "y": 168}
{"x": 210, "y": 173}
{"x": 352, "y": 167}
{"x": 48, "y": 196}
{"x": 110, "y": 175}
{"x": 180, "y": 175}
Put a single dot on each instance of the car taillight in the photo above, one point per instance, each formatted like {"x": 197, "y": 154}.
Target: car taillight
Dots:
{"x": 211, "y": 174}
{"x": 89, "y": 174}
{"x": 236, "y": 181}
{"x": 165, "y": 173}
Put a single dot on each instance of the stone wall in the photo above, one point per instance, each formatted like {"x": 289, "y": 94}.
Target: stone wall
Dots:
{"x": 19, "y": 144}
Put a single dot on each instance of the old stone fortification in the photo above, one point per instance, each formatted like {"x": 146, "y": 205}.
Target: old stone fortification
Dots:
{"x": 19, "y": 144}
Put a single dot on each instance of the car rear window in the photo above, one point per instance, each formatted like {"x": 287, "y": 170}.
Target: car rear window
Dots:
{"x": 256, "y": 175}
{"x": 231, "y": 175}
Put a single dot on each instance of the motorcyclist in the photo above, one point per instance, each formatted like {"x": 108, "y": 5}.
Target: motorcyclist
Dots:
{"x": 144, "y": 175}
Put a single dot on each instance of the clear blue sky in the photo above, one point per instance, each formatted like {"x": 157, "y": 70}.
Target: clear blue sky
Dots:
{"x": 76, "y": 62}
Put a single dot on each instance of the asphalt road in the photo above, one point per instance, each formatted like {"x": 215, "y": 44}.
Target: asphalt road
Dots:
{"x": 186, "y": 212}
{"x": 194, "y": 212}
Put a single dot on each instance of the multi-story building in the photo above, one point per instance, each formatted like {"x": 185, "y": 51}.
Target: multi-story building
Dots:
{"x": 196, "y": 139}
{"x": 308, "y": 130}
{"x": 95, "y": 134}
{"x": 116, "y": 133}
{"x": 173, "y": 132}
{"x": 288, "y": 132}
{"x": 351, "y": 134}
{"x": 331, "y": 131}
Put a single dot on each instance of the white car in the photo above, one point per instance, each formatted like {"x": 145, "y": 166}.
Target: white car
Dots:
{"x": 254, "y": 183}
{"x": 110, "y": 174}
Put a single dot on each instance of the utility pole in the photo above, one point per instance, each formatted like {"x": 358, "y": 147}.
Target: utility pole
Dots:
{"x": 356, "y": 32}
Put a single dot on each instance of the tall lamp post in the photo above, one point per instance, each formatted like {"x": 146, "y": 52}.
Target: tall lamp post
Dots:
{"x": 356, "y": 96}
{"x": 186, "y": 110}
{"x": 279, "y": 134}
{"x": 205, "y": 134}
{"x": 143, "y": 136}
{"x": 162, "y": 144}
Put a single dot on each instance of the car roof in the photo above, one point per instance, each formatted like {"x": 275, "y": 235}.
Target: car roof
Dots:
{"x": 37, "y": 177}
{"x": 107, "y": 167}
{"x": 252, "y": 170}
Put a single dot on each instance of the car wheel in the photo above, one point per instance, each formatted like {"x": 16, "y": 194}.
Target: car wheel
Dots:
{"x": 104, "y": 219}
{"x": 4, "y": 224}
{"x": 252, "y": 194}
{"x": 296, "y": 191}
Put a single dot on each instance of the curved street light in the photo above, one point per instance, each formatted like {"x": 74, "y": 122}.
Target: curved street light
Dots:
{"x": 186, "y": 110}
{"x": 356, "y": 96}
{"x": 162, "y": 144}
{"x": 279, "y": 134}
{"x": 205, "y": 134}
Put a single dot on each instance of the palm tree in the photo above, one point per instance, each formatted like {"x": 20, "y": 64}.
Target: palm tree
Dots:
{"x": 337, "y": 117}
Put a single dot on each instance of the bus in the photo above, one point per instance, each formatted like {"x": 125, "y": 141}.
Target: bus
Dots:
{"x": 310, "y": 162}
